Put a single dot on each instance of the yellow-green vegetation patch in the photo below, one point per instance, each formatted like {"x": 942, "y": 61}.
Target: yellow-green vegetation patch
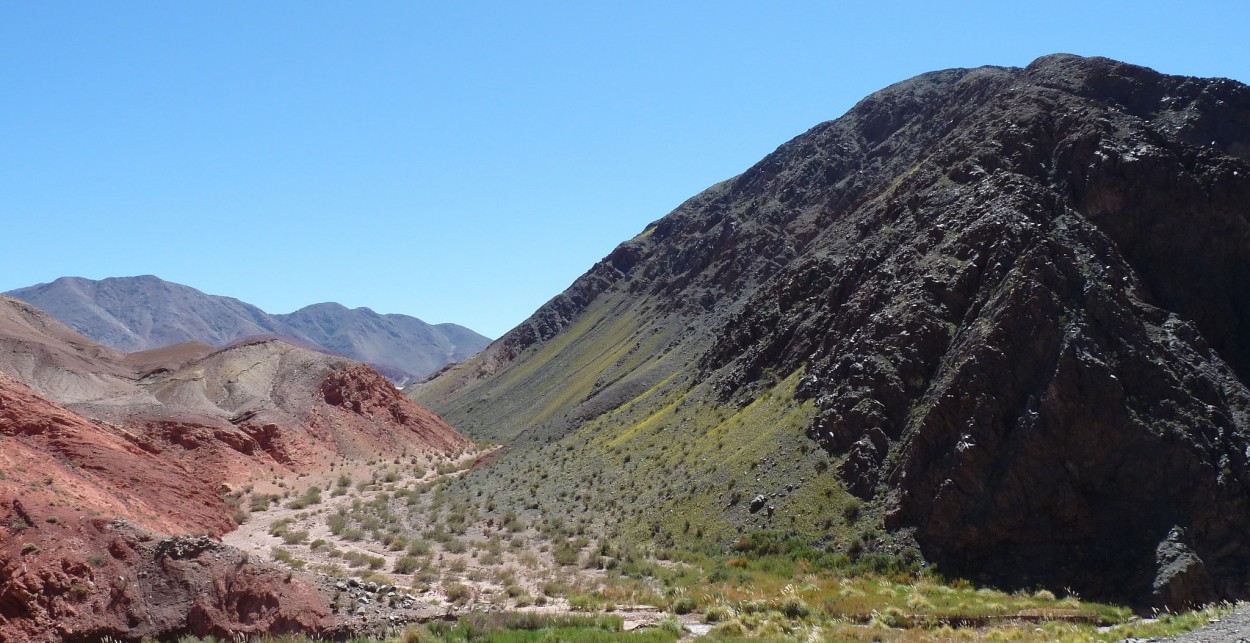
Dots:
{"x": 704, "y": 462}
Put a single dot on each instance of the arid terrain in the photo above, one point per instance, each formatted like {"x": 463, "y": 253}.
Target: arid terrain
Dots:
{"x": 968, "y": 362}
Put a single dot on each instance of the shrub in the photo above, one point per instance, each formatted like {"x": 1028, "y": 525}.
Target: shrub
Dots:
{"x": 406, "y": 565}
{"x": 310, "y": 497}
{"x": 458, "y": 593}
{"x": 261, "y": 502}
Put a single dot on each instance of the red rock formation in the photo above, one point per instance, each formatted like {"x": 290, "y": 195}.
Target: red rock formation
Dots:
{"x": 82, "y": 511}
{"x": 54, "y": 458}
{"x": 90, "y": 578}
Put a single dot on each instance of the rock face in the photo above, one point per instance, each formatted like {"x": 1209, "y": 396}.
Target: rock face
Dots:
{"x": 141, "y": 313}
{"x": 1017, "y": 299}
{"x": 51, "y": 452}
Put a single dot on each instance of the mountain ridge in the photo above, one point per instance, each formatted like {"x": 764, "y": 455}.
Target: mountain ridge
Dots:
{"x": 144, "y": 312}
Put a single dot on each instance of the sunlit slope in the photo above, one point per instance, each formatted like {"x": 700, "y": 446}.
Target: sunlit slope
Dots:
{"x": 611, "y": 355}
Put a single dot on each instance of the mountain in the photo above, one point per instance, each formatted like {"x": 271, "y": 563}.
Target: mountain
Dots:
{"x": 254, "y": 406}
{"x": 112, "y": 461}
{"x": 139, "y": 313}
{"x": 994, "y": 319}
{"x": 397, "y": 341}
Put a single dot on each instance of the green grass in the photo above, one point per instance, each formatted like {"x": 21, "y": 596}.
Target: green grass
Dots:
{"x": 503, "y": 627}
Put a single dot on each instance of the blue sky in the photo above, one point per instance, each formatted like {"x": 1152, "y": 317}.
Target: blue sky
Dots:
{"x": 456, "y": 161}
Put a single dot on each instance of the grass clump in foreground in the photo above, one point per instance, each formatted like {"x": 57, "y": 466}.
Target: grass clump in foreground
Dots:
{"x": 506, "y": 627}
{"x": 774, "y": 588}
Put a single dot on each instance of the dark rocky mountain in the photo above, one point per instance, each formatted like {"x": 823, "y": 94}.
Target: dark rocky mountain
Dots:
{"x": 997, "y": 315}
{"x": 139, "y": 313}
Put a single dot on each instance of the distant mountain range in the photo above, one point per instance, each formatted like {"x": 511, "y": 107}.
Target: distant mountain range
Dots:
{"x": 141, "y": 313}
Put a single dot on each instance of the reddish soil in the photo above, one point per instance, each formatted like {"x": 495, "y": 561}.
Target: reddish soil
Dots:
{"x": 104, "y": 456}
{"x": 54, "y": 459}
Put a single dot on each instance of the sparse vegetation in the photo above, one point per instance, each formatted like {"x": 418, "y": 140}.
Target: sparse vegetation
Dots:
{"x": 448, "y": 537}
{"x": 312, "y": 496}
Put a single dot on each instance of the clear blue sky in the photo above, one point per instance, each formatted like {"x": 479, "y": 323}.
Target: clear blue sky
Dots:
{"x": 456, "y": 161}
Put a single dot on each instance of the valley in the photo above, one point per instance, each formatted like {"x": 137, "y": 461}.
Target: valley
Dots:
{"x": 968, "y": 362}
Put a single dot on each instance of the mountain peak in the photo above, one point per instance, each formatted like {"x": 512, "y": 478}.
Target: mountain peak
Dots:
{"x": 1014, "y": 298}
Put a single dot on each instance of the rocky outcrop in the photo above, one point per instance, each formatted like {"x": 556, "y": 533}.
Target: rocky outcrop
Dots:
{"x": 112, "y": 578}
{"x": 358, "y": 395}
{"x": 54, "y": 457}
{"x": 85, "y": 515}
{"x": 1017, "y": 299}
{"x": 236, "y": 413}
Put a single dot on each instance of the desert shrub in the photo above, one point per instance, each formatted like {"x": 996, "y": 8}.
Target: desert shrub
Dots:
{"x": 310, "y": 497}
{"x": 565, "y": 554}
{"x": 406, "y": 565}
{"x": 261, "y": 502}
{"x": 555, "y": 589}
{"x": 458, "y": 593}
